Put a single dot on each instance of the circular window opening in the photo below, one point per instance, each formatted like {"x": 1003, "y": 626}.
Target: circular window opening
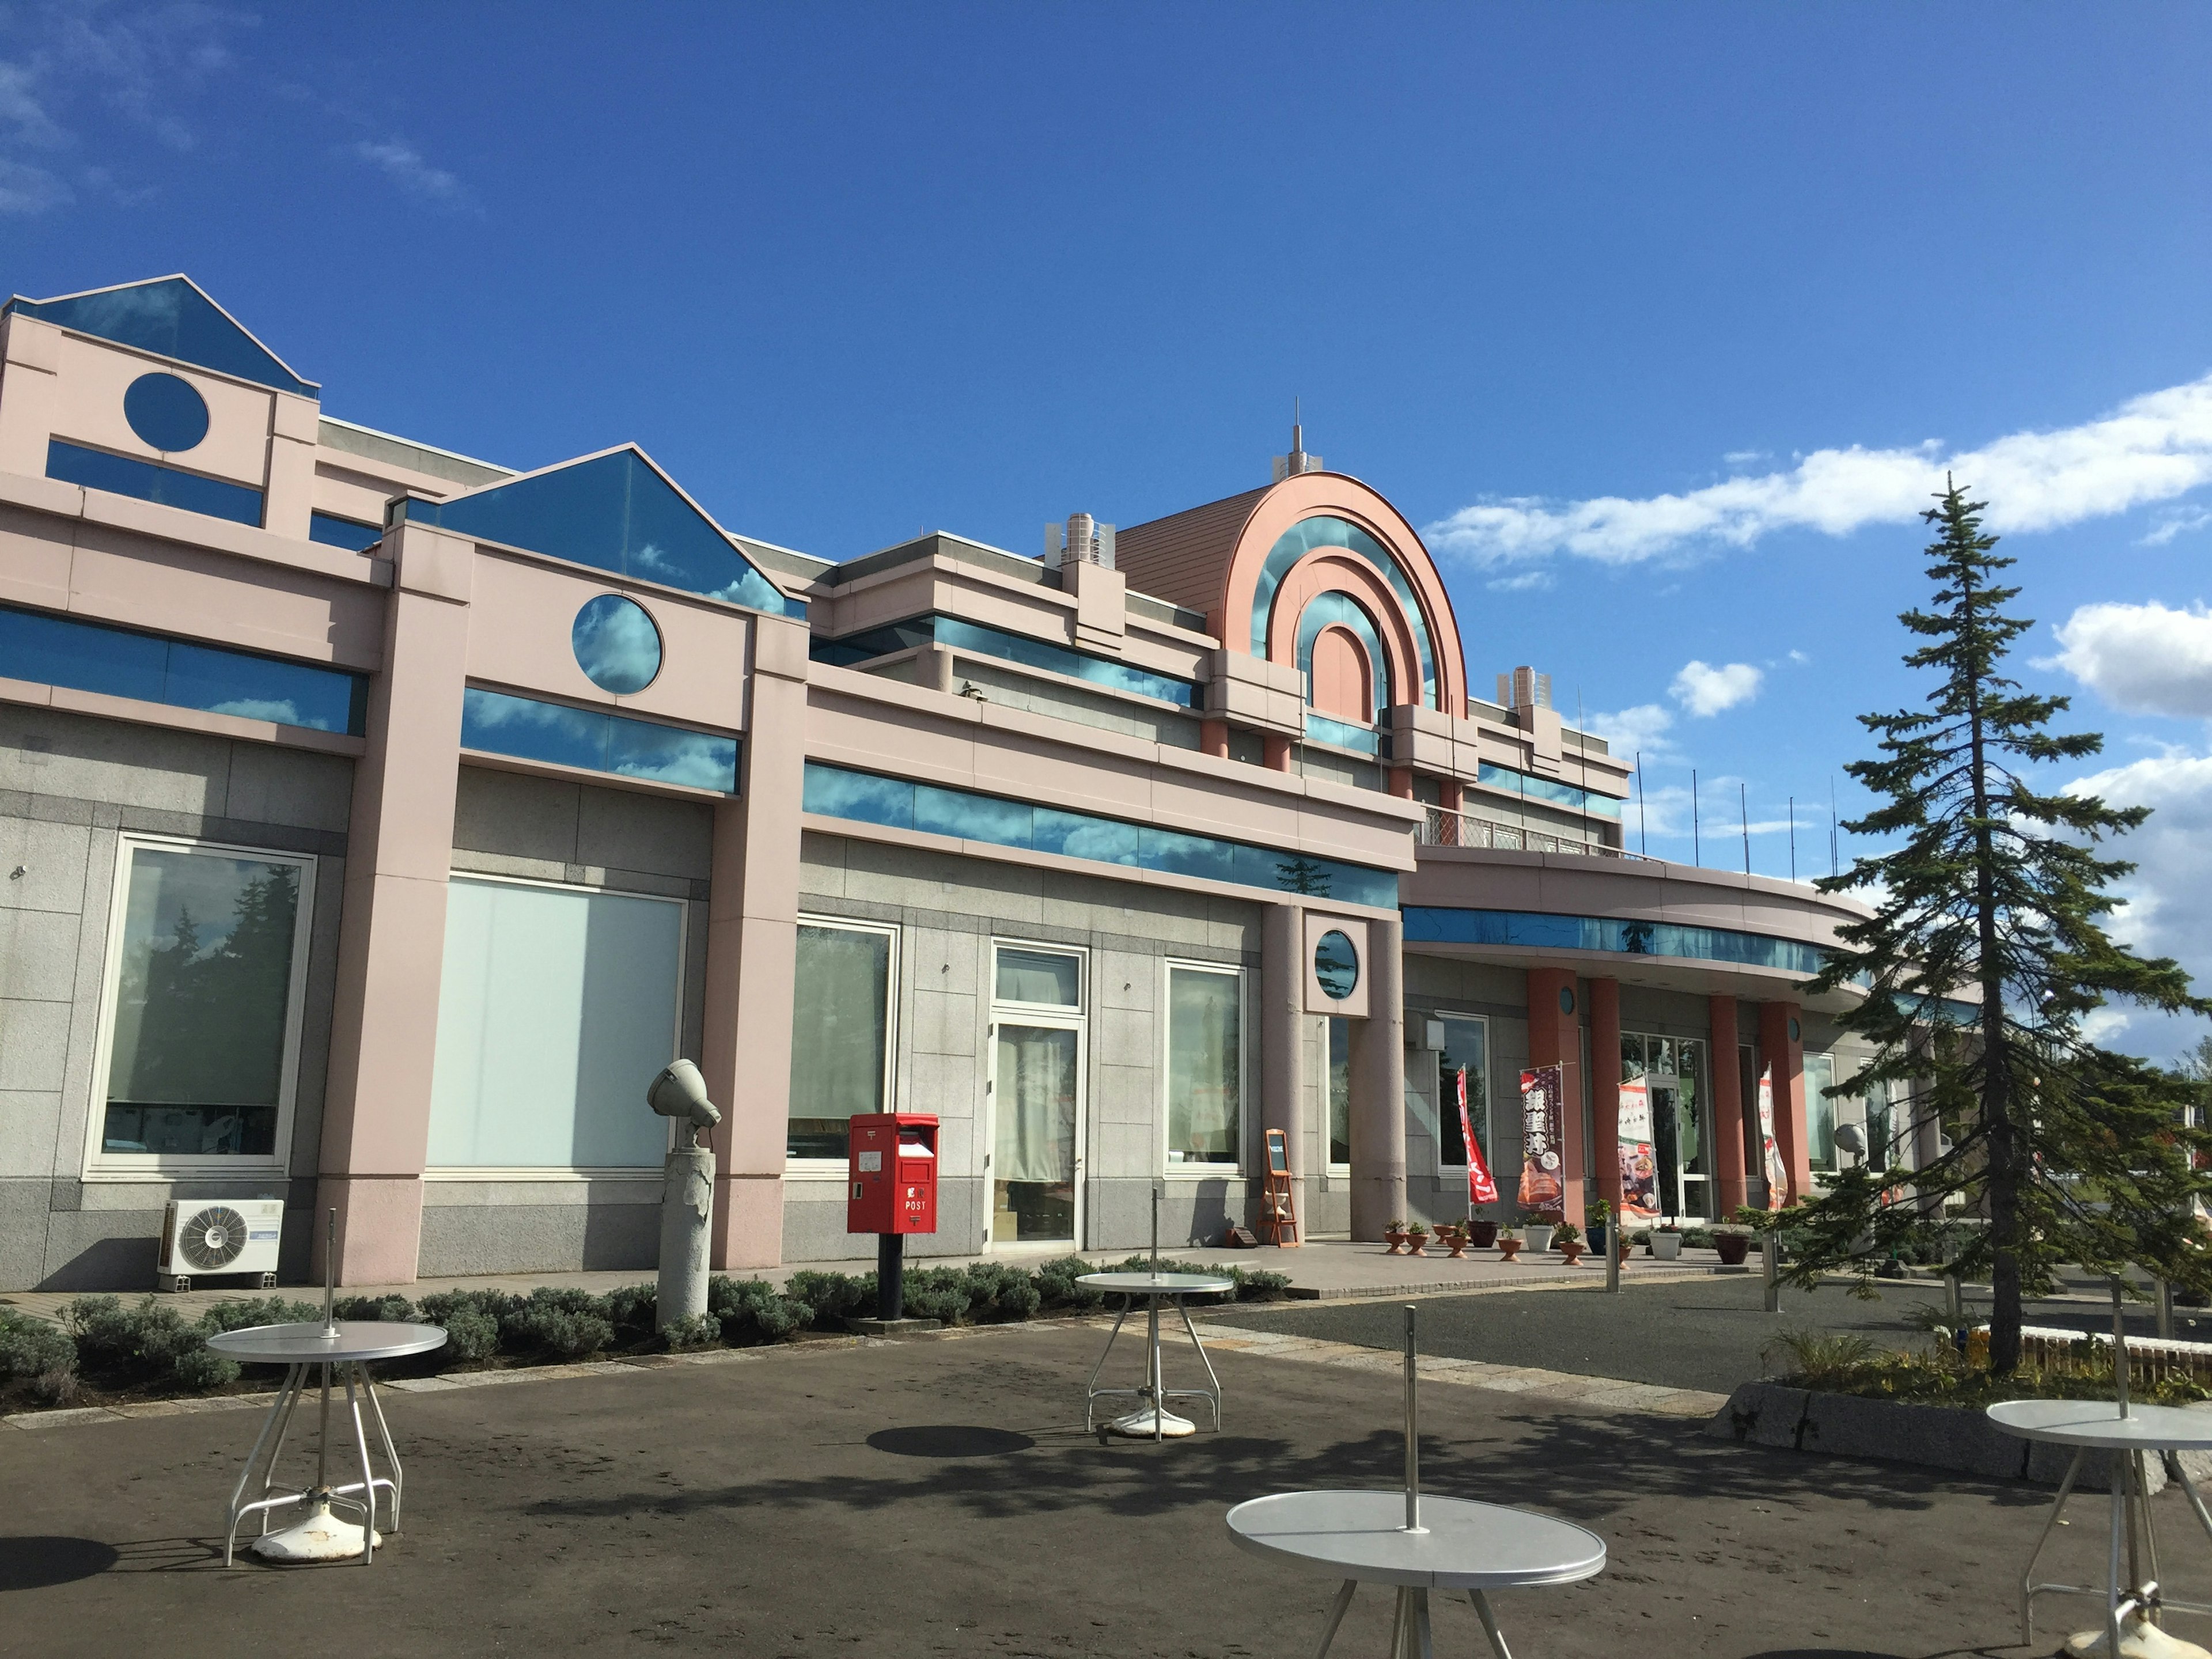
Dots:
{"x": 1567, "y": 1001}
{"x": 617, "y": 645}
{"x": 1794, "y": 1032}
{"x": 167, "y": 413}
{"x": 1336, "y": 965}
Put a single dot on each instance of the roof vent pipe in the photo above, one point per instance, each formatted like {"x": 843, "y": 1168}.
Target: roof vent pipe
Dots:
{"x": 1298, "y": 460}
{"x": 1081, "y": 540}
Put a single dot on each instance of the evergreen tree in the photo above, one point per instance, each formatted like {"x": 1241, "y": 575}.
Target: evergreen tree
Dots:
{"x": 1985, "y": 952}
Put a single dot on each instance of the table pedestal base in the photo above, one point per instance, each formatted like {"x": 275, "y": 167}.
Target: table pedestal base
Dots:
{"x": 2133, "y": 1600}
{"x": 317, "y": 1536}
{"x": 1152, "y": 1424}
{"x": 1411, "y": 1637}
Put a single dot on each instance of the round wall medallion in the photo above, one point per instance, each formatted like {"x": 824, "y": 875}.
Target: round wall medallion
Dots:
{"x": 168, "y": 414}
{"x": 617, "y": 645}
{"x": 1566, "y": 999}
{"x": 1336, "y": 965}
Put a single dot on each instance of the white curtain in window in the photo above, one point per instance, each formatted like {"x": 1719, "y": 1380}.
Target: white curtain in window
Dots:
{"x": 840, "y": 1017}
{"x": 1205, "y": 1073}
{"x": 556, "y": 1008}
{"x": 1034, "y": 1105}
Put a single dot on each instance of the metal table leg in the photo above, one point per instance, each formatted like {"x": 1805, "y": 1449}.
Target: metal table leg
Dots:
{"x": 1092, "y": 1391}
{"x": 1183, "y": 1308}
{"x": 279, "y": 1411}
{"x": 2028, "y": 1584}
{"x": 1153, "y": 1349}
{"x": 1490, "y": 1624}
{"x": 369, "y": 1475}
{"x": 1335, "y": 1617}
{"x": 1419, "y": 1642}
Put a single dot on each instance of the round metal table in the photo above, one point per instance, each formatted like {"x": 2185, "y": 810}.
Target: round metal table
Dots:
{"x": 1362, "y": 1538}
{"x": 1154, "y": 1421}
{"x": 348, "y": 1346}
{"x": 2090, "y": 1425}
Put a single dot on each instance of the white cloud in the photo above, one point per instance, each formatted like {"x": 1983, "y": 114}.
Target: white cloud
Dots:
{"x": 403, "y": 165}
{"x": 2152, "y": 448}
{"x": 2145, "y": 659}
{"x": 1521, "y": 583}
{"x": 1707, "y": 691}
{"x": 1799, "y": 657}
{"x": 2179, "y": 522}
{"x": 1642, "y": 729}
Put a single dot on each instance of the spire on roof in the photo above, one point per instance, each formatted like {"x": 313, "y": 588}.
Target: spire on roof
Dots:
{"x": 1298, "y": 460}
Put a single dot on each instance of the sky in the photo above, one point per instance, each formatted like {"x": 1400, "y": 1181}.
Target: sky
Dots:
{"x": 1661, "y": 323}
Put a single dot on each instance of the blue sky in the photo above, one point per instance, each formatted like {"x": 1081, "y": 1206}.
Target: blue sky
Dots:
{"x": 851, "y": 271}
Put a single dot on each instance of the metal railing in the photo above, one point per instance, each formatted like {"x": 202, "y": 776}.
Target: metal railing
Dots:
{"x": 1442, "y": 827}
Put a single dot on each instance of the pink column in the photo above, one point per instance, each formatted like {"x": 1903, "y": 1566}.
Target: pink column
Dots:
{"x": 1605, "y": 1088}
{"x": 1213, "y": 739}
{"x": 1727, "y": 1108}
{"x": 1278, "y": 753}
{"x": 1555, "y": 1039}
{"x": 1781, "y": 1045}
{"x": 392, "y": 928}
{"x": 752, "y": 930}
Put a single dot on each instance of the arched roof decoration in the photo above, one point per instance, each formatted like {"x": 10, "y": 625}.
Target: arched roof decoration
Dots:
{"x": 1338, "y": 609}
{"x": 616, "y": 512}
{"x": 1327, "y": 530}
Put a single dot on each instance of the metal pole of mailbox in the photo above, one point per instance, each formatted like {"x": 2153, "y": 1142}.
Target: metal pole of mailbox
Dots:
{"x": 890, "y": 1276}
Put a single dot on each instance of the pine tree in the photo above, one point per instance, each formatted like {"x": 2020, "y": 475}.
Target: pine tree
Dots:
{"x": 1985, "y": 952}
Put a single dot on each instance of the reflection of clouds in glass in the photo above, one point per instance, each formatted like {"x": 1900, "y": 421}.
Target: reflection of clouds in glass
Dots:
{"x": 702, "y": 762}
{"x": 283, "y": 712}
{"x": 617, "y": 645}
{"x": 107, "y": 314}
{"x": 491, "y": 710}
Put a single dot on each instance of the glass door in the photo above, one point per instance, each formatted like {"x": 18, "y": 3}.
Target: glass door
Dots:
{"x": 1036, "y": 1104}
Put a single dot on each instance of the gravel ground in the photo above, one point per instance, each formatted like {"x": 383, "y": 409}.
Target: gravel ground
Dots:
{"x": 1697, "y": 1334}
{"x": 938, "y": 1497}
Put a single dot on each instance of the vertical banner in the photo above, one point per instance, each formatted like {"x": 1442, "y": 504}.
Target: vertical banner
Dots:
{"x": 1639, "y": 1170}
{"x": 1543, "y": 1133}
{"x": 1778, "y": 1178}
{"x": 1480, "y": 1189}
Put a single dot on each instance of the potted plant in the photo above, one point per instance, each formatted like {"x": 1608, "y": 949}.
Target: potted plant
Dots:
{"x": 1453, "y": 1238}
{"x": 1536, "y": 1229}
{"x": 1481, "y": 1235}
{"x": 1567, "y": 1240}
{"x": 1508, "y": 1245}
{"x": 1395, "y": 1236}
{"x": 1666, "y": 1242}
{"x": 1601, "y": 1224}
{"x": 1417, "y": 1237}
{"x": 1734, "y": 1243}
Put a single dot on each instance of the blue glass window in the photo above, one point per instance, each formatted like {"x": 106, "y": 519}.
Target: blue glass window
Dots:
{"x": 95, "y": 469}
{"x": 168, "y": 414}
{"x": 348, "y": 533}
{"x": 497, "y": 724}
{"x": 1438, "y": 925}
{"x": 615, "y": 644}
{"x": 981, "y": 642}
{"x": 85, "y": 656}
{"x": 613, "y": 513}
{"x": 1336, "y": 965}
{"x": 1320, "y": 729}
{"x": 1549, "y": 790}
{"x": 1301, "y": 538}
{"x": 171, "y": 317}
{"x": 865, "y": 798}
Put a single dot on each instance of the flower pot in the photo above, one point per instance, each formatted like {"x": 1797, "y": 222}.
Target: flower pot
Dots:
{"x": 1573, "y": 1254}
{"x": 1482, "y": 1235}
{"x": 1667, "y": 1247}
{"x": 1597, "y": 1230}
{"x": 1539, "y": 1238}
{"x": 1417, "y": 1243}
{"x": 1508, "y": 1249}
{"x": 1732, "y": 1247}
{"x": 1626, "y": 1249}
{"x": 1454, "y": 1239}
{"x": 1395, "y": 1237}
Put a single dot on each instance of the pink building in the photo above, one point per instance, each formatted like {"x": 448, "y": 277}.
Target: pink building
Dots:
{"x": 374, "y": 822}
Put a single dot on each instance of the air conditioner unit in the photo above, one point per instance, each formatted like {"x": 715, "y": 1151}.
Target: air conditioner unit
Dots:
{"x": 214, "y": 1236}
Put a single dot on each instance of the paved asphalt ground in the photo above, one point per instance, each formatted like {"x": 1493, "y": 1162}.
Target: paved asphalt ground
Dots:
{"x": 938, "y": 1497}
{"x": 1694, "y": 1333}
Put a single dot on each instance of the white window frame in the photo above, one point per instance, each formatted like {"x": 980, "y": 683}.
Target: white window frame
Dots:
{"x": 1055, "y": 1016}
{"x": 101, "y": 1165}
{"x": 1459, "y": 1171}
{"x": 467, "y": 1172}
{"x": 1174, "y": 1171}
{"x": 819, "y": 1167}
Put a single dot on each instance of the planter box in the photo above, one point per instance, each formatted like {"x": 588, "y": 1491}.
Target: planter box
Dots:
{"x": 1956, "y": 1438}
{"x": 1666, "y": 1247}
{"x": 1481, "y": 1235}
{"x": 1537, "y": 1239}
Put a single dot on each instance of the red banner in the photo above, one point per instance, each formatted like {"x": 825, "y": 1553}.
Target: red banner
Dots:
{"x": 1543, "y": 1132}
{"x": 1639, "y": 1170}
{"x": 1778, "y": 1176}
{"x": 1480, "y": 1189}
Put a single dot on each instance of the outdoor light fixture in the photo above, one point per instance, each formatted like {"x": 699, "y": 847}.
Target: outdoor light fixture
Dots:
{"x": 1848, "y": 1138}
{"x": 687, "y": 1202}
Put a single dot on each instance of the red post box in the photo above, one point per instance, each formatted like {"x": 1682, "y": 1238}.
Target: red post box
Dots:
{"x": 892, "y": 1172}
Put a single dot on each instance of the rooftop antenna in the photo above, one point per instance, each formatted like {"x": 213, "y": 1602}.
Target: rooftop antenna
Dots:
{"x": 1643, "y": 839}
{"x": 1298, "y": 461}
{"x": 1697, "y": 841}
{"x": 1743, "y": 806}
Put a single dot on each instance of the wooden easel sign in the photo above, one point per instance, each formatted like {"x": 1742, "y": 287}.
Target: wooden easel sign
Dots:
{"x": 1279, "y": 1215}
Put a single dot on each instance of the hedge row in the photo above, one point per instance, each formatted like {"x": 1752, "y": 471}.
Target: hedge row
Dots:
{"x": 152, "y": 1347}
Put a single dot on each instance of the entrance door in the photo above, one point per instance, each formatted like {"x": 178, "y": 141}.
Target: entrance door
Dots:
{"x": 1678, "y": 1148}
{"x": 1036, "y": 1136}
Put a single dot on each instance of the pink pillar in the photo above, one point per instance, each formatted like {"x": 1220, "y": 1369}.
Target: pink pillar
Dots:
{"x": 752, "y": 932}
{"x": 1781, "y": 1045}
{"x": 1605, "y": 1088}
{"x": 392, "y": 928}
{"x": 1555, "y": 1039}
{"x": 1727, "y": 1108}
{"x": 1278, "y": 753}
{"x": 1213, "y": 739}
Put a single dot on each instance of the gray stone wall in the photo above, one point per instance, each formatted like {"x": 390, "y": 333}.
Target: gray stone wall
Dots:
{"x": 949, "y": 910}
{"x": 507, "y": 824}
{"x": 70, "y": 786}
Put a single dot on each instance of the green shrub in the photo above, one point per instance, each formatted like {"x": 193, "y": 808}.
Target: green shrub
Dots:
{"x": 203, "y": 1368}
{"x": 752, "y": 1311}
{"x": 565, "y": 1322}
{"x": 243, "y": 1313}
{"x": 634, "y": 1310}
{"x": 829, "y": 1298}
{"x": 32, "y": 1347}
{"x": 1056, "y": 1283}
{"x": 441, "y": 1307}
{"x": 374, "y": 1309}
{"x": 1818, "y": 1359}
{"x": 470, "y": 1335}
{"x": 1000, "y": 1294}
{"x": 151, "y": 1344}
{"x": 693, "y": 1331}
{"x": 940, "y": 1293}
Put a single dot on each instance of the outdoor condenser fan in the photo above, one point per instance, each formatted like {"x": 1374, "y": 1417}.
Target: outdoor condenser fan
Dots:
{"x": 212, "y": 1239}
